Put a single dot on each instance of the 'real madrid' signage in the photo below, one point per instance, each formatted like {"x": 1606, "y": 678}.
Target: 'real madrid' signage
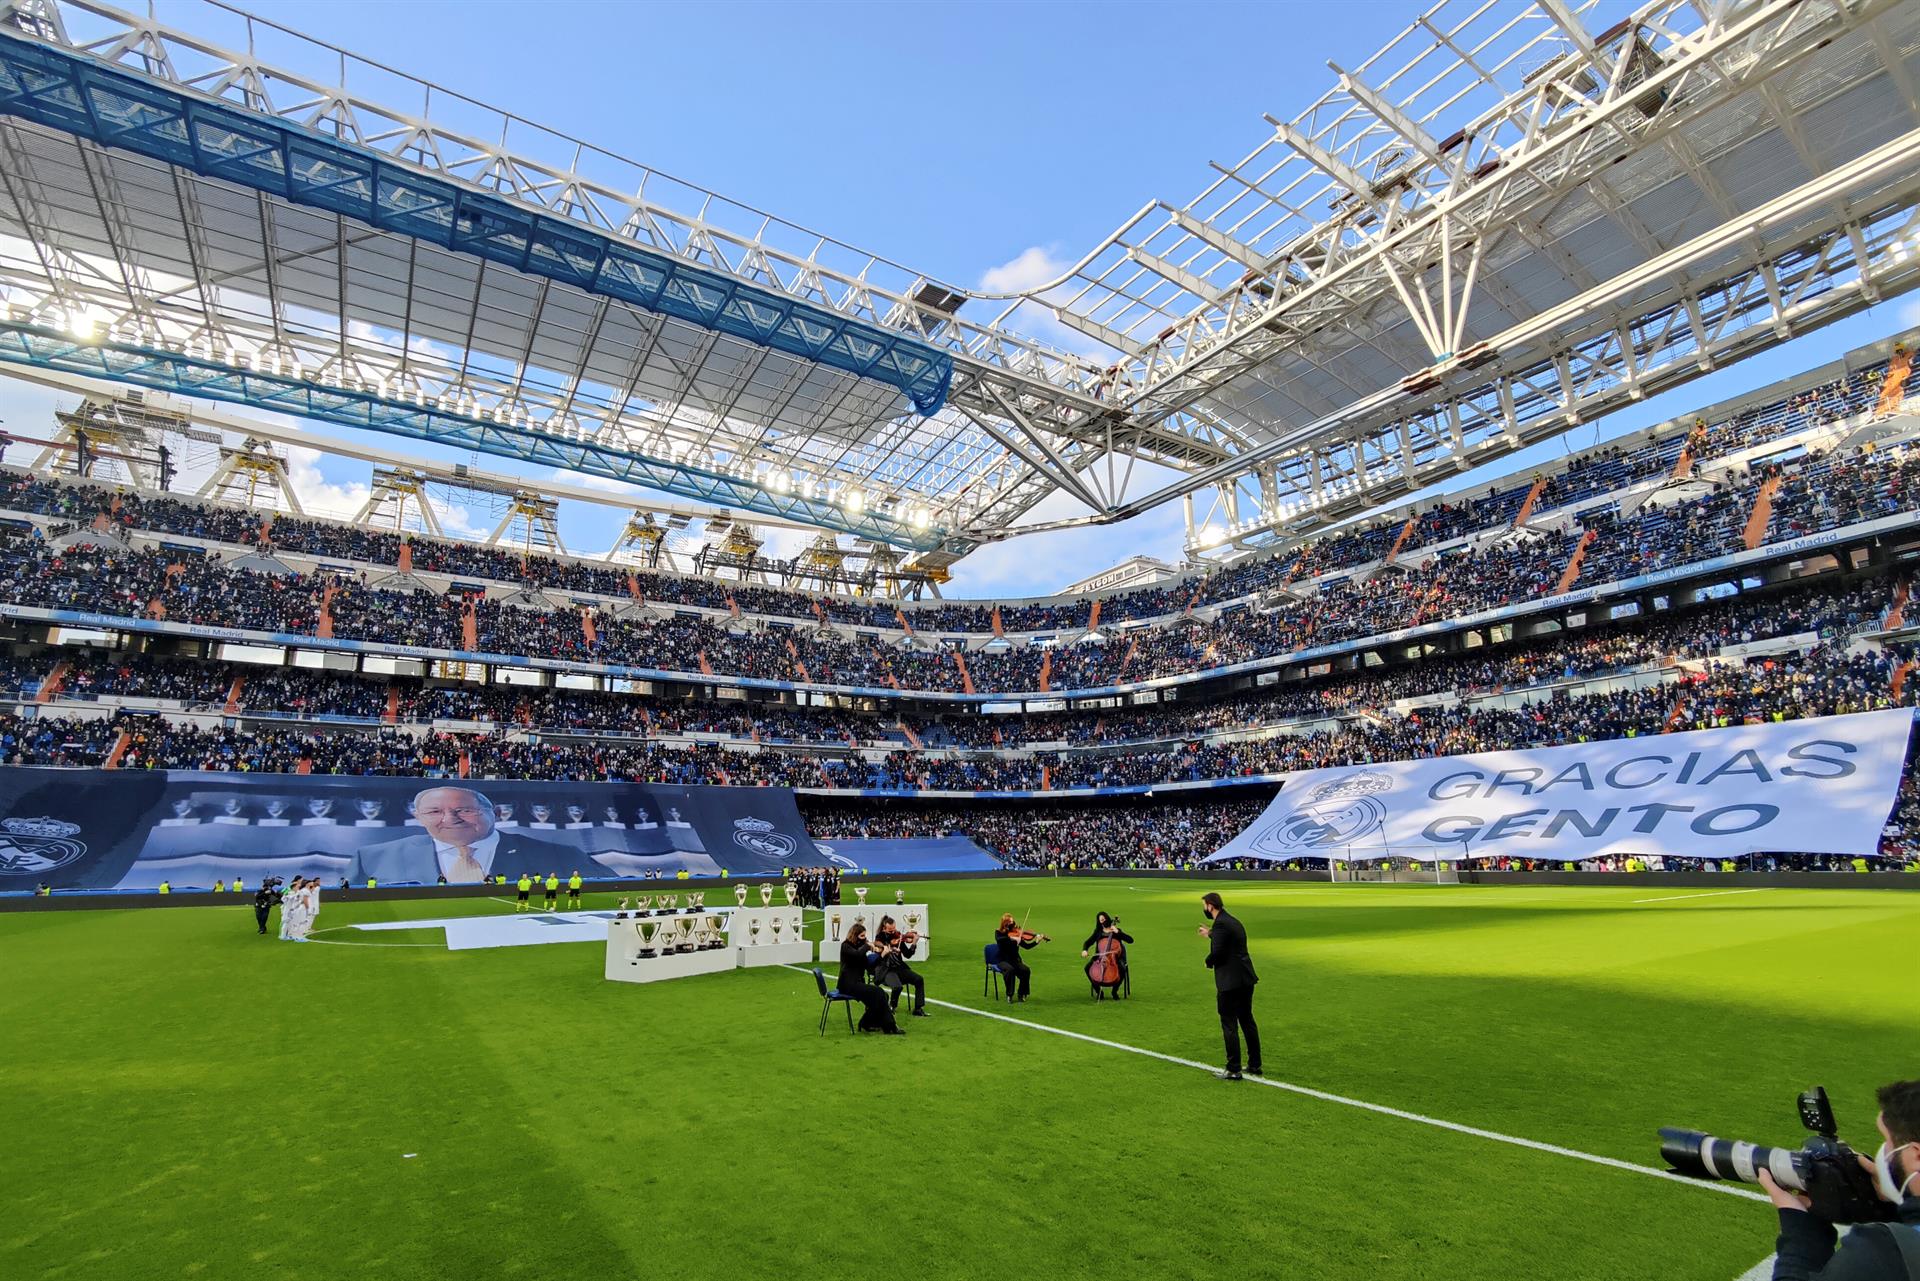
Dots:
{"x": 1820, "y": 786}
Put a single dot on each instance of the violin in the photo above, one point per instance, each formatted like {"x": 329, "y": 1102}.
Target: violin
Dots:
{"x": 897, "y": 941}
{"x": 1021, "y": 934}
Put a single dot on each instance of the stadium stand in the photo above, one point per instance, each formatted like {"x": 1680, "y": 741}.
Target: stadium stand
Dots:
{"x": 1283, "y": 662}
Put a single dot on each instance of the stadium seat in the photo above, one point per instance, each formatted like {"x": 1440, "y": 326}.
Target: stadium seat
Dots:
{"x": 828, "y": 996}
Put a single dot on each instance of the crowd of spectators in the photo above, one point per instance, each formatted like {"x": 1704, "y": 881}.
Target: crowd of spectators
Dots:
{"x": 1813, "y": 497}
{"x": 1830, "y": 611}
{"x": 1832, "y": 676}
{"x": 1122, "y": 832}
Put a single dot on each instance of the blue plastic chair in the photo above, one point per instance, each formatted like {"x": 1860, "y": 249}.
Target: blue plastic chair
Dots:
{"x": 988, "y": 953}
{"x": 827, "y": 998}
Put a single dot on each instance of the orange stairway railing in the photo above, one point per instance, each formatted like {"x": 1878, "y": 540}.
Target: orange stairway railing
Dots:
{"x": 1571, "y": 575}
{"x": 1762, "y": 514}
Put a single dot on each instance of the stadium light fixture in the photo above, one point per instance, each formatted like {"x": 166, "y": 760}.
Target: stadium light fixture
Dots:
{"x": 853, "y": 500}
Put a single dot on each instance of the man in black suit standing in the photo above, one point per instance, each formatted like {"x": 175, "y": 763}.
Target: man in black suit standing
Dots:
{"x": 1233, "y": 980}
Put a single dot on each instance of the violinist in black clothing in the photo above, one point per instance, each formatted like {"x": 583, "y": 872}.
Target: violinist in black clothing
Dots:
{"x": 892, "y": 971}
{"x": 854, "y": 954}
{"x": 1108, "y": 928}
{"x": 1011, "y": 940}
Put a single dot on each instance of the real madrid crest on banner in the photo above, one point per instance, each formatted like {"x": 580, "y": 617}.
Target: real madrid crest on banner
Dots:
{"x": 757, "y": 835}
{"x": 30, "y": 846}
{"x": 1346, "y": 811}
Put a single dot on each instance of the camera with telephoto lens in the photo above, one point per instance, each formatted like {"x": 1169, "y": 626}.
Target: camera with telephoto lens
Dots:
{"x": 1824, "y": 1168}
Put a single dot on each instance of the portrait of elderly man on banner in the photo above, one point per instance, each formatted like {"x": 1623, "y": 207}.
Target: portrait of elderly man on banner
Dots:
{"x": 461, "y": 841}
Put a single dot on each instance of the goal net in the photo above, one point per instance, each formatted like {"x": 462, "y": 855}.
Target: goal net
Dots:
{"x": 1436, "y": 873}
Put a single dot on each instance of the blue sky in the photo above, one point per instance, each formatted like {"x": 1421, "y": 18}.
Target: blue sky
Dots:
{"x": 981, "y": 143}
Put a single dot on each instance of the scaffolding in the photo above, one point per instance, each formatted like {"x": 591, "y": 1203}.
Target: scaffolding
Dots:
{"x": 252, "y": 474}
{"x": 531, "y": 524}
{"x": 397, "y": 500}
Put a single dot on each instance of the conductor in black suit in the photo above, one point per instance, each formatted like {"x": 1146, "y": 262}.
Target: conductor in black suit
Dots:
{"x": 1233, "y": 980}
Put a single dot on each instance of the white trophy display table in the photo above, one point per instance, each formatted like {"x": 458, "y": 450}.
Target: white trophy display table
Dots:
{"x": 759, "y": 948}
{"x": 625, "y": 940}
{"x": 840, "y": 919}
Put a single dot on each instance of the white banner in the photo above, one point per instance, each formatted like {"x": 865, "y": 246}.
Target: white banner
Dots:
{"x": 1820, "y": 786}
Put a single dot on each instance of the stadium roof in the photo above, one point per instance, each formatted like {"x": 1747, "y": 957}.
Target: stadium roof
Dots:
{"x": 1504, "y": 223}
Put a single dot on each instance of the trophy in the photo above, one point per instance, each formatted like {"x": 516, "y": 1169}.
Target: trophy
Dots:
{"x": 685, "y": 926}
{"x": 766, "y": 895}
{"x": 776, "y": 930}
{"x": 643, "y": 905}
{"x": 740, "y": 895}
{"x": 913, "y": 922}
{"x": 833, "y": 931}
{"x": 669, "y": 902}
{"x": 697, "y": 901}
{"x": 860, "y": 892}
{"x": 716, "y": 933}
{"x": 648, "y": 932}
{"x": 753, "y": 929}
{"x": 899, "y": 896}
{"x": 791, "y": 896}
{"x": 621, "y": 915}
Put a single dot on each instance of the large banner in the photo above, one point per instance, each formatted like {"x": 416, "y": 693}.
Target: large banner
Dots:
{"x": 929, "y": 854}
{"x": 132, "y": 829}
{"x": 1821, "y": 786}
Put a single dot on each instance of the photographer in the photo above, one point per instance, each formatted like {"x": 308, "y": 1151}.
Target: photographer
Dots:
{"x": 264, "y": 899}
{"x": 1873, "y": 1251}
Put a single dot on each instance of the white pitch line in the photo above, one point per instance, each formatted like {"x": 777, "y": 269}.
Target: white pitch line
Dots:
{"x": 1760, "y": 1271}
{"x": 1727, "y": 1189}
{"x": 1674, "y": 898}
{"x": 353, "y": 943}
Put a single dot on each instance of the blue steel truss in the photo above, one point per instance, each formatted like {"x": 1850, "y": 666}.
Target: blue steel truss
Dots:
{"x": 78, "y": 94}
{"x": 45, "y": 348}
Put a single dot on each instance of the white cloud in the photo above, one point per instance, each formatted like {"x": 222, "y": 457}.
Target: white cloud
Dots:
{"x": 1030, "y": 268}
{"x": 605, "y": 484}
{"x": 318, "y": 495}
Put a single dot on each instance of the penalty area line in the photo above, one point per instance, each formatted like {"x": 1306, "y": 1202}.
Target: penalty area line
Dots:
{"x": 1381, "y": 1109}
{"x": 1675, "y": 898}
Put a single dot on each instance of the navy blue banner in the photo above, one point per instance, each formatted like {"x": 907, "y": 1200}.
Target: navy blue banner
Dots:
{"x": 114, "y": 829}
{"x": 936, "y": 854}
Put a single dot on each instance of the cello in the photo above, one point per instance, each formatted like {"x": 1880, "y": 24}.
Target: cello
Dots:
{"x": 1108, "y": 965}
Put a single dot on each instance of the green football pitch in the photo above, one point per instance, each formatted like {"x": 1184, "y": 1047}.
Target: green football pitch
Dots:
{"x": 183, "y": 1098}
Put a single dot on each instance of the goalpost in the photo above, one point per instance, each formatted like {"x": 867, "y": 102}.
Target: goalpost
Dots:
{"x": 1351, "y": 870}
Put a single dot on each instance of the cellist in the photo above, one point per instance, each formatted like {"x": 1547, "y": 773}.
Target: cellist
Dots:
{"x": 1107, "y": 946}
